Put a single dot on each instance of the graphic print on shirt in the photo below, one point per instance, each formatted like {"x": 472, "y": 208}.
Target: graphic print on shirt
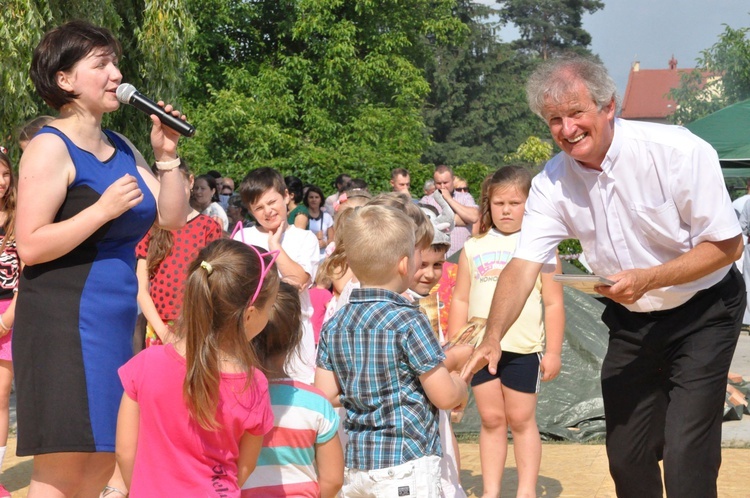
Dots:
{"x": 489, "y": 265}
{"x": 9, "y": 267}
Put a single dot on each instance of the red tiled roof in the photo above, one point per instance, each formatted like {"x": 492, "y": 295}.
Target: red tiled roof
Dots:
{"x": 646, "y": 93}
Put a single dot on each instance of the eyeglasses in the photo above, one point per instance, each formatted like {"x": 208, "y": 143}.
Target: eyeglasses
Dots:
{"x": 461, "y": 189}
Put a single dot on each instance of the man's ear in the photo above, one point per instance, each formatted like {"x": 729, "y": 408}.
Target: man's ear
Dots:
{"x": 611, "y": 108}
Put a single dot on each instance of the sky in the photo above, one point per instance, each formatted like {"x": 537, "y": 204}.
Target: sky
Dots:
{"x": 651, "y": 31}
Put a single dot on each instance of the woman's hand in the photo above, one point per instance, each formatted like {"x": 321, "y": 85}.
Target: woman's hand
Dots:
{"x": 163, "y": 138}
{"x": 121, "y": 196}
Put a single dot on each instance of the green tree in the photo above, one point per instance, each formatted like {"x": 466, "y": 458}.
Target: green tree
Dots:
{"x": 341, "y": 90}
{"x": 153, "y": 34}
{"x": 728, "y": 63}
{"x": 549, "y": 26}
{"x": 476, "y": 111}
{"x": 533, "y": 153}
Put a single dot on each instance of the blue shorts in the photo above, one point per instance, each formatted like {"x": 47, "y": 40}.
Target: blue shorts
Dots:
{"x": 519, "y": 372}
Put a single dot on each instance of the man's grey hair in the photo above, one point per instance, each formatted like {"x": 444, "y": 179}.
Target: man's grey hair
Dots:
{"x": 428, "y": 184}
{"x": 555, "y": 78}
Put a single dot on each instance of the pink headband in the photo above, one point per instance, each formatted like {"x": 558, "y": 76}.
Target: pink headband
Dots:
{"x": 264, "y": 269}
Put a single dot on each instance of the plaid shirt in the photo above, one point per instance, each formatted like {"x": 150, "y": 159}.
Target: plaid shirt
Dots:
{"x": 377, "y": 346}
{"x": 459, "y": 235}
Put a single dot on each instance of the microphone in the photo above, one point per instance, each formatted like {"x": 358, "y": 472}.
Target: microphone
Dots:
{"x": 127, "y": 94}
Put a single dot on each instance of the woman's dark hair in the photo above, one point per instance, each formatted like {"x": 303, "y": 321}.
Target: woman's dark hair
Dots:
{"x": 211, "y": 181}
{"x": 317, "y": 190}
{"x": 60, "y": 50}
{"x": 294, "y": 186}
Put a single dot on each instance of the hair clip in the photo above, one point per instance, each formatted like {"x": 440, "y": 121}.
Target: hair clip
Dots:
{"x": 264, "y": 268}
{"x": 3, "y": 149}
{"x": 207, "y": 266}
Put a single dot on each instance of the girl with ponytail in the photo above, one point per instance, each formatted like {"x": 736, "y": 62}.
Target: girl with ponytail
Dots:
{"x": 206, "y": 416}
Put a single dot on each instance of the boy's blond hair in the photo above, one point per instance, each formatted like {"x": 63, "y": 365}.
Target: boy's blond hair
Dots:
{"x": 376, "y": 238}
{"x": 424, "y": 231}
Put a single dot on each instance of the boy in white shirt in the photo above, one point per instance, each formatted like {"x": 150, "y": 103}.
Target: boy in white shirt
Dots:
{"x": 265, "y": 196}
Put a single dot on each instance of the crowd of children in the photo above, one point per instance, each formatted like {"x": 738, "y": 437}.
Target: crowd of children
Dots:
{"x": 350, "y": 380}
{"x": 262, "y": 372}
{"x": 376, "y": 421}
{"x": 202, "y": 399}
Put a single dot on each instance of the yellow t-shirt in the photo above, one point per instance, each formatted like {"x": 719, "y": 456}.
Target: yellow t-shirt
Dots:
{"x": 487, "y": 256}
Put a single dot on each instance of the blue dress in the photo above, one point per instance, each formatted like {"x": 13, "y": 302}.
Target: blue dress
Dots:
{"x": 75, "y": 318}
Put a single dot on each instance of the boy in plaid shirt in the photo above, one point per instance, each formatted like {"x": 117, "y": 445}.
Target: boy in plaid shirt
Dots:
{"x": 379, "y": 356}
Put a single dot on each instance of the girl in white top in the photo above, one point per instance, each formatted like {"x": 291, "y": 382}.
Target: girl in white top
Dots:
{"x": 508, "y": 398}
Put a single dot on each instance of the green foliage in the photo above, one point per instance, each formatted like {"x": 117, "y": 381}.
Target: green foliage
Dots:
{"x": 534, "y": 152}
{"x": 474, "y": 174}
{"x": 21, "y": 25}
{"x": 311, "y": 87}
{"x": 153, "y": 35}
{"x": 572, "y": 247}
{"x": 340, "y": 91}
{"x": 549, "y": 26}
{"x": 477, "y": 110}
{"x": 728, "y": 58}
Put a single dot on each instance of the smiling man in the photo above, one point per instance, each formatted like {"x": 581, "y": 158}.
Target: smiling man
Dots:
{"x": 649, "y": 205}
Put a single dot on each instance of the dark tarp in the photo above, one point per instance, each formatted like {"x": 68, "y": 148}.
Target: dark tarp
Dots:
{"x": 569, "y": 407}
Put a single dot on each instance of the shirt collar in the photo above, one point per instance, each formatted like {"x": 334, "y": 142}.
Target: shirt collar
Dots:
{"x": 370, "y": 294}
{"x": 609, "y": 158}
{"x": 614, "y": 147}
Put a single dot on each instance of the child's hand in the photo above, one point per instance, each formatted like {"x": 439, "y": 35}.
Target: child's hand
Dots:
{"x": 550, "y": 366}
{"x": 457, "y": 416}
{"x": 463, "y": 386}
{"x": 274, "y": 236}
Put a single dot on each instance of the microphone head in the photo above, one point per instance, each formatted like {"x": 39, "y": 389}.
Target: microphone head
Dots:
{"x": 124, "y": 92}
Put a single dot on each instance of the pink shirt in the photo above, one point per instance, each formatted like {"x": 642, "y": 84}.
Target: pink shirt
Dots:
{"x": 175, "y": 456}
{"x": 319, "y": 298}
